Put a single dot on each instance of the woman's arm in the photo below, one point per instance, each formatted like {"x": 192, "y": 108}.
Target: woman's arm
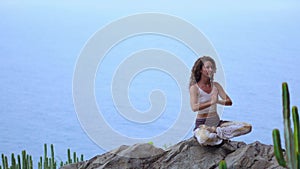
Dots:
{"x": 225, "y": 98}
{"x": 194, "y": 100}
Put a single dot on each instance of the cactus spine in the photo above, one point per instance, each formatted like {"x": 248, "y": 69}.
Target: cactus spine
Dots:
{"x": 291, "y": 137}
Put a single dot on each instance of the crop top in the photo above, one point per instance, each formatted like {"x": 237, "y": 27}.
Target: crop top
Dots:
{"x": 204, "y": 97}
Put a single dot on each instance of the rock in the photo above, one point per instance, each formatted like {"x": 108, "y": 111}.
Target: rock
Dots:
{"x": 187, "y": 154}
{"x": 255, "y": 155}
{"x": 138, "y": 151}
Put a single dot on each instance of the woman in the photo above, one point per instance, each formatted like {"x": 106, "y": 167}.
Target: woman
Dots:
{"x": 205, "y": 94}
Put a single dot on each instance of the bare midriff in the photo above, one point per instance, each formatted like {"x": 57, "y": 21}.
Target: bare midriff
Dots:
{"x": 207, "y": 115}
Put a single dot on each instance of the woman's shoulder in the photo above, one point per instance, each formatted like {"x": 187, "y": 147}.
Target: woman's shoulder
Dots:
{"x": 194, "y": 87}
{"x": 217, "y": 85}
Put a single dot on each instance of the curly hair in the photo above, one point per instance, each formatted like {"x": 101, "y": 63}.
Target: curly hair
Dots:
{"x": 196, "y": 70}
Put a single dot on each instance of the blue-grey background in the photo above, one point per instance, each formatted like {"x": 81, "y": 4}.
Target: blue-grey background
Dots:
{"x": 257, "y": 42}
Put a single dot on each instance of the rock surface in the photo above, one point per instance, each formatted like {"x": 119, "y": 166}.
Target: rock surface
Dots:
{"x": 187, "y": 154}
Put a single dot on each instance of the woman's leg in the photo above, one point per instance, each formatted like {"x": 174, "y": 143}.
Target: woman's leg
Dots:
{"x": 199, "y": 122}
{"x": 205, "y": 131}
{"x": 229, "y": 129}
{"x": 205, "y": 136}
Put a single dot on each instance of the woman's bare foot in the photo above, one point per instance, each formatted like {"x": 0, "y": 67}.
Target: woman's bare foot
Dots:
{"x": 212, "y": 129}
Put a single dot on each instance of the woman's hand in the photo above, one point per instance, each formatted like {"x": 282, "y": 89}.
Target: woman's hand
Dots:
{"x": 225, "y": 99}
{"x": 214, "y": 99}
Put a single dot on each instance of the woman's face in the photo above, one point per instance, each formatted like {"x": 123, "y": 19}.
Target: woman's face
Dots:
{"x": 207, "y": 69}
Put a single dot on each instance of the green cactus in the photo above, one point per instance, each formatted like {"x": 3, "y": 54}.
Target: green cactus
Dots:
{"x": 4, "y": 162}
{"x": 45, "y": 157}
{"x": 222, "y": 164}
{"x": 49, "y": 162}
{"x": 81, "y": 157}
{"x": 277, "y": 148}
{"x": 13, "y": 161}
{"x": 296, "y": 134}
{"x": 291, "y": 137}
{"x": 19, "y": 161}
{"x": 69, "y": 157}
{"x": 24, "y": 161}
{"x": 74, "y": 157}
{"x": 53, "y": 163}
{"x": 30, "y": 163}
{"x": 40, "y": 163}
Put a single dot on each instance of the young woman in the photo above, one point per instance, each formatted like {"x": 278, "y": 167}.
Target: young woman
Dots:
{"x": 205, "y": 94}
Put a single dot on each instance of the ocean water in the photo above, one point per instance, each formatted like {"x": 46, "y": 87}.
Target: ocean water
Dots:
{"x": 258, "y": 46}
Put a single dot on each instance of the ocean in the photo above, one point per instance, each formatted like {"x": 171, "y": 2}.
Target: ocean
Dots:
{"x": 257, "y": 47}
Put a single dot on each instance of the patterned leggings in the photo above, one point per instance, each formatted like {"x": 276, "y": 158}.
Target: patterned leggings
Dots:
{"x": 224, "y": 130}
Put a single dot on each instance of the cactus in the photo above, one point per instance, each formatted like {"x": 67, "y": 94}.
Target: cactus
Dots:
{"x": 296, "y": 134}
{"x": 4, "y": 162}
{"x": 75, "y": 157}
{"x": 40, "y": 163}
{"x": 24, "y": 161}
{"x": 53, "y": 163}
{"x": 81, "y": 157}
{"x": 19, "y": 161}
{"x": 277, "y": 148}
{"x": 291, "y": 137}
{"x": 13, "y": 161}
{"x": 49, "y": 162}
{"x": 46, "y": 165}
{"x": 30, "y": 163}
{"x": 222, "y": 164}
{"x": 69, "y": 157}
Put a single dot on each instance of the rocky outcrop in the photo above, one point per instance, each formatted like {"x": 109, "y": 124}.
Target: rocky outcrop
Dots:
{"x": 187, "y": 154}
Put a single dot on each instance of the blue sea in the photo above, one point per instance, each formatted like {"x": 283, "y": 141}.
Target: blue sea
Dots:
{"x": 40, "y": 42}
